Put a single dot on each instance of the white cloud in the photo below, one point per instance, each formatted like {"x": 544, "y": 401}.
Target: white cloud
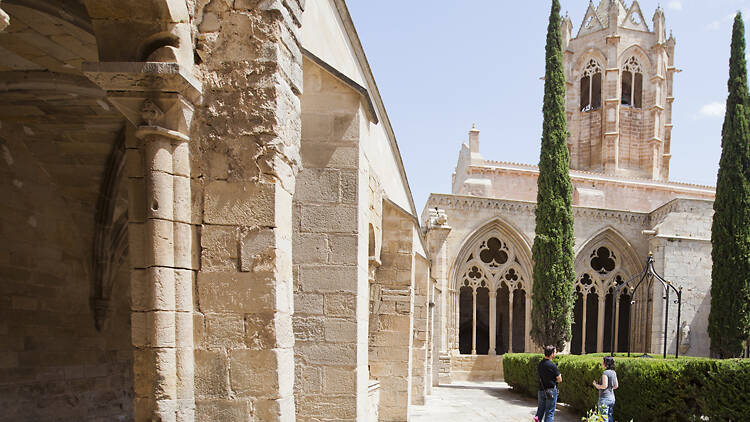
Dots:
{"x": 714, "y": 109}
{"x": 675, "y": 4}
{"x": 726, "y": 20}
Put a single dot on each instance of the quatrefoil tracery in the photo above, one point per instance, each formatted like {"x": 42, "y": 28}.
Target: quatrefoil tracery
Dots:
{"x": 491, "y": 264}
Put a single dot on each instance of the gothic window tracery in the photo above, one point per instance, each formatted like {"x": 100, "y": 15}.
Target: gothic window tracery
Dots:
{"x": 599, "y": 270}
{"x": 591, "y": 86}
{"x": 632, "y": 83}
{"x": 492, "y": 303}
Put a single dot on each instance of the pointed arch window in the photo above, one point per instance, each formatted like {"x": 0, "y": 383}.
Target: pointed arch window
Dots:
{"x": 492, "y": 299}
{"x": 591, "y": 86}
{"x": 632, "y": 83}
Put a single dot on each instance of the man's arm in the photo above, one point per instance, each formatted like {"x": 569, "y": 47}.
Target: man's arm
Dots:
{"x": 559, "y": 379}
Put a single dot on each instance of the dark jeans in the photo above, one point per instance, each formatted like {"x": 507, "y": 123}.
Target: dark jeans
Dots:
{"x": 545, "y": 410}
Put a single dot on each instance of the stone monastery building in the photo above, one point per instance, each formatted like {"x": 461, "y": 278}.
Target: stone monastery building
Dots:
{"x": 205, "y": 216}
{"x": 620, "y": 76}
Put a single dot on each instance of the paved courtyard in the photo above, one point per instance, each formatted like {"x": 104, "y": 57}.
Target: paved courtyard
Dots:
{"x": 480, "y": 402}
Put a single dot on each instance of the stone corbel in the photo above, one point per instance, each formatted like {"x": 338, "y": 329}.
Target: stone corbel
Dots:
{"x": 155, "y": 96}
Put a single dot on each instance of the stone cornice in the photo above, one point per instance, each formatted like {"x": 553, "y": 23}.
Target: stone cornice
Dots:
{"x": 582, "y": 175}
{"x": 677, "y": 205}
{"x": 509, "y": 207}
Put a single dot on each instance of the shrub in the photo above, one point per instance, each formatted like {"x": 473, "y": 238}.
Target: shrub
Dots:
{"x": 650, "y": 389}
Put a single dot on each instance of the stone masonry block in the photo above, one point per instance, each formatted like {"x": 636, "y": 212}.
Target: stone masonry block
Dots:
{"x": 343, "y": 249}
{"x": 268, "y": 330}
{"x": 308, "y": 328}
{"x": 321, "y": 155}
{"x": 160, "y": 196}
{"x": 339, "y": 380}
{"x": 308, "y": 379}
{"x": 224, "y": 330}
{"x": 159, "y": 242}
{"x": 340, "y": 331}
{"x": 243, "y": 203}
{"x": 328, "y": 279}
{"x": 328, "y": 408}
{"x": 310, "y": 248}
{"x": 256, "y": 245}
{"x": 340, "y": 305}
{"x": 223, "y": 410}
{"x": 328, "y": 219}
{"x": 261, "y": 373}
{"x": 349, "y": 186}
{"x": 308, "y": 304}
{"x": 346, "y": 127}
{"x": 281, "y": 410}
{"x": 318, "y": 185}
{"x": 211, "y": 374}
{"x": 319, "y": 353}
{"x": 236, "y": 292}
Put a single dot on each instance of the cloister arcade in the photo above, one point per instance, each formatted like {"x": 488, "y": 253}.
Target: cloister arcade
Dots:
{"x": 491, "y": 299}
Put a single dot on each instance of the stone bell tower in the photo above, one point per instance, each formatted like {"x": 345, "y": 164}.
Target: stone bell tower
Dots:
{"x": 619, "y": 75}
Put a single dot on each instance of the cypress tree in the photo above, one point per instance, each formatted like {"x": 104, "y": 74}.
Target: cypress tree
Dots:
{"x": 729, "y": 319}
{"x": 553, "y": 244}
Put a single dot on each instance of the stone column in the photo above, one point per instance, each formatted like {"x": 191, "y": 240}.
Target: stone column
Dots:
{"x": 162, "y": 232}
{"x": 617, "y": 321}
{"x": 493, "y": 323}
{"x": 583, "y": 324}
{"x": 527, "y": 327}
{"x": 510, "y": 321}
{"x": 600, "y": 323}
{"x": 474, "y": 321}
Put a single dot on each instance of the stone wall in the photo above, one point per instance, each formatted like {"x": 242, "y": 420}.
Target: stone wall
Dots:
{"x": 54, "y": 363}
{"x": 682, "y": 253}
{"x": 330, "y": 255}
{"x": 247, "y": 136}
{"x": 391, "y": 340}
{"x": 420, "y": 331}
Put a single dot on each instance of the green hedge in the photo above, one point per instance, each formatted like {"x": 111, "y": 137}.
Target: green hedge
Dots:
{"x": 650, "y": 389}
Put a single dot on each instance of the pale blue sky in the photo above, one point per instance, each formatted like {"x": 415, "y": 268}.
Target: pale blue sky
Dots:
{"x": 442, "y": 64}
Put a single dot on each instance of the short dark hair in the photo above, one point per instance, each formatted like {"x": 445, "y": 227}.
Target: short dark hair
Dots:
{"x": 549, "y": 351}
{"x": 609, "y": 362}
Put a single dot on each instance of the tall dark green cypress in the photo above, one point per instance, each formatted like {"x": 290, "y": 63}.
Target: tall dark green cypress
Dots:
{"x": 729, "y": 320}
{"x": 553, "y": 244}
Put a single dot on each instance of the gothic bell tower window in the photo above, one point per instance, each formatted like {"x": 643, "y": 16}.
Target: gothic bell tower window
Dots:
{"x": 632, "y": 84}
{"x": 591, "y": 86}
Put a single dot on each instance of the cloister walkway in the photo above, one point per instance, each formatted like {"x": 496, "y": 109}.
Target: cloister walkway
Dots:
{"x": 480, "y": 402}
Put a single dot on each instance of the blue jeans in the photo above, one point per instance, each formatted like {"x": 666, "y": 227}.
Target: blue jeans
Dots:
{"x": 606, "y": 408}
{"x": 545, "y": 410}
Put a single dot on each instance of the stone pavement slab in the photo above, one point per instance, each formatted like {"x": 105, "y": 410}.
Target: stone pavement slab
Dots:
{"x": 480, "y": 402}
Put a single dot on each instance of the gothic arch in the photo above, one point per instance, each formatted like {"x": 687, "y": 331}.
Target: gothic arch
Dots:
{"x": 604, "y": 261}
{"x": 491, "y": 281}
{"x": 521, "y": 247}
{"x": 639, "y": 53}
{"x": 584, "y": 57}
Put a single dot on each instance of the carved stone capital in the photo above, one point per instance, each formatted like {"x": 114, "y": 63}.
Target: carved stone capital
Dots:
{"x": 149, "y": 94}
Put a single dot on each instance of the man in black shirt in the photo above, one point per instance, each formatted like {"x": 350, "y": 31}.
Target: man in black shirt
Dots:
{"x": 549, "y": 377}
